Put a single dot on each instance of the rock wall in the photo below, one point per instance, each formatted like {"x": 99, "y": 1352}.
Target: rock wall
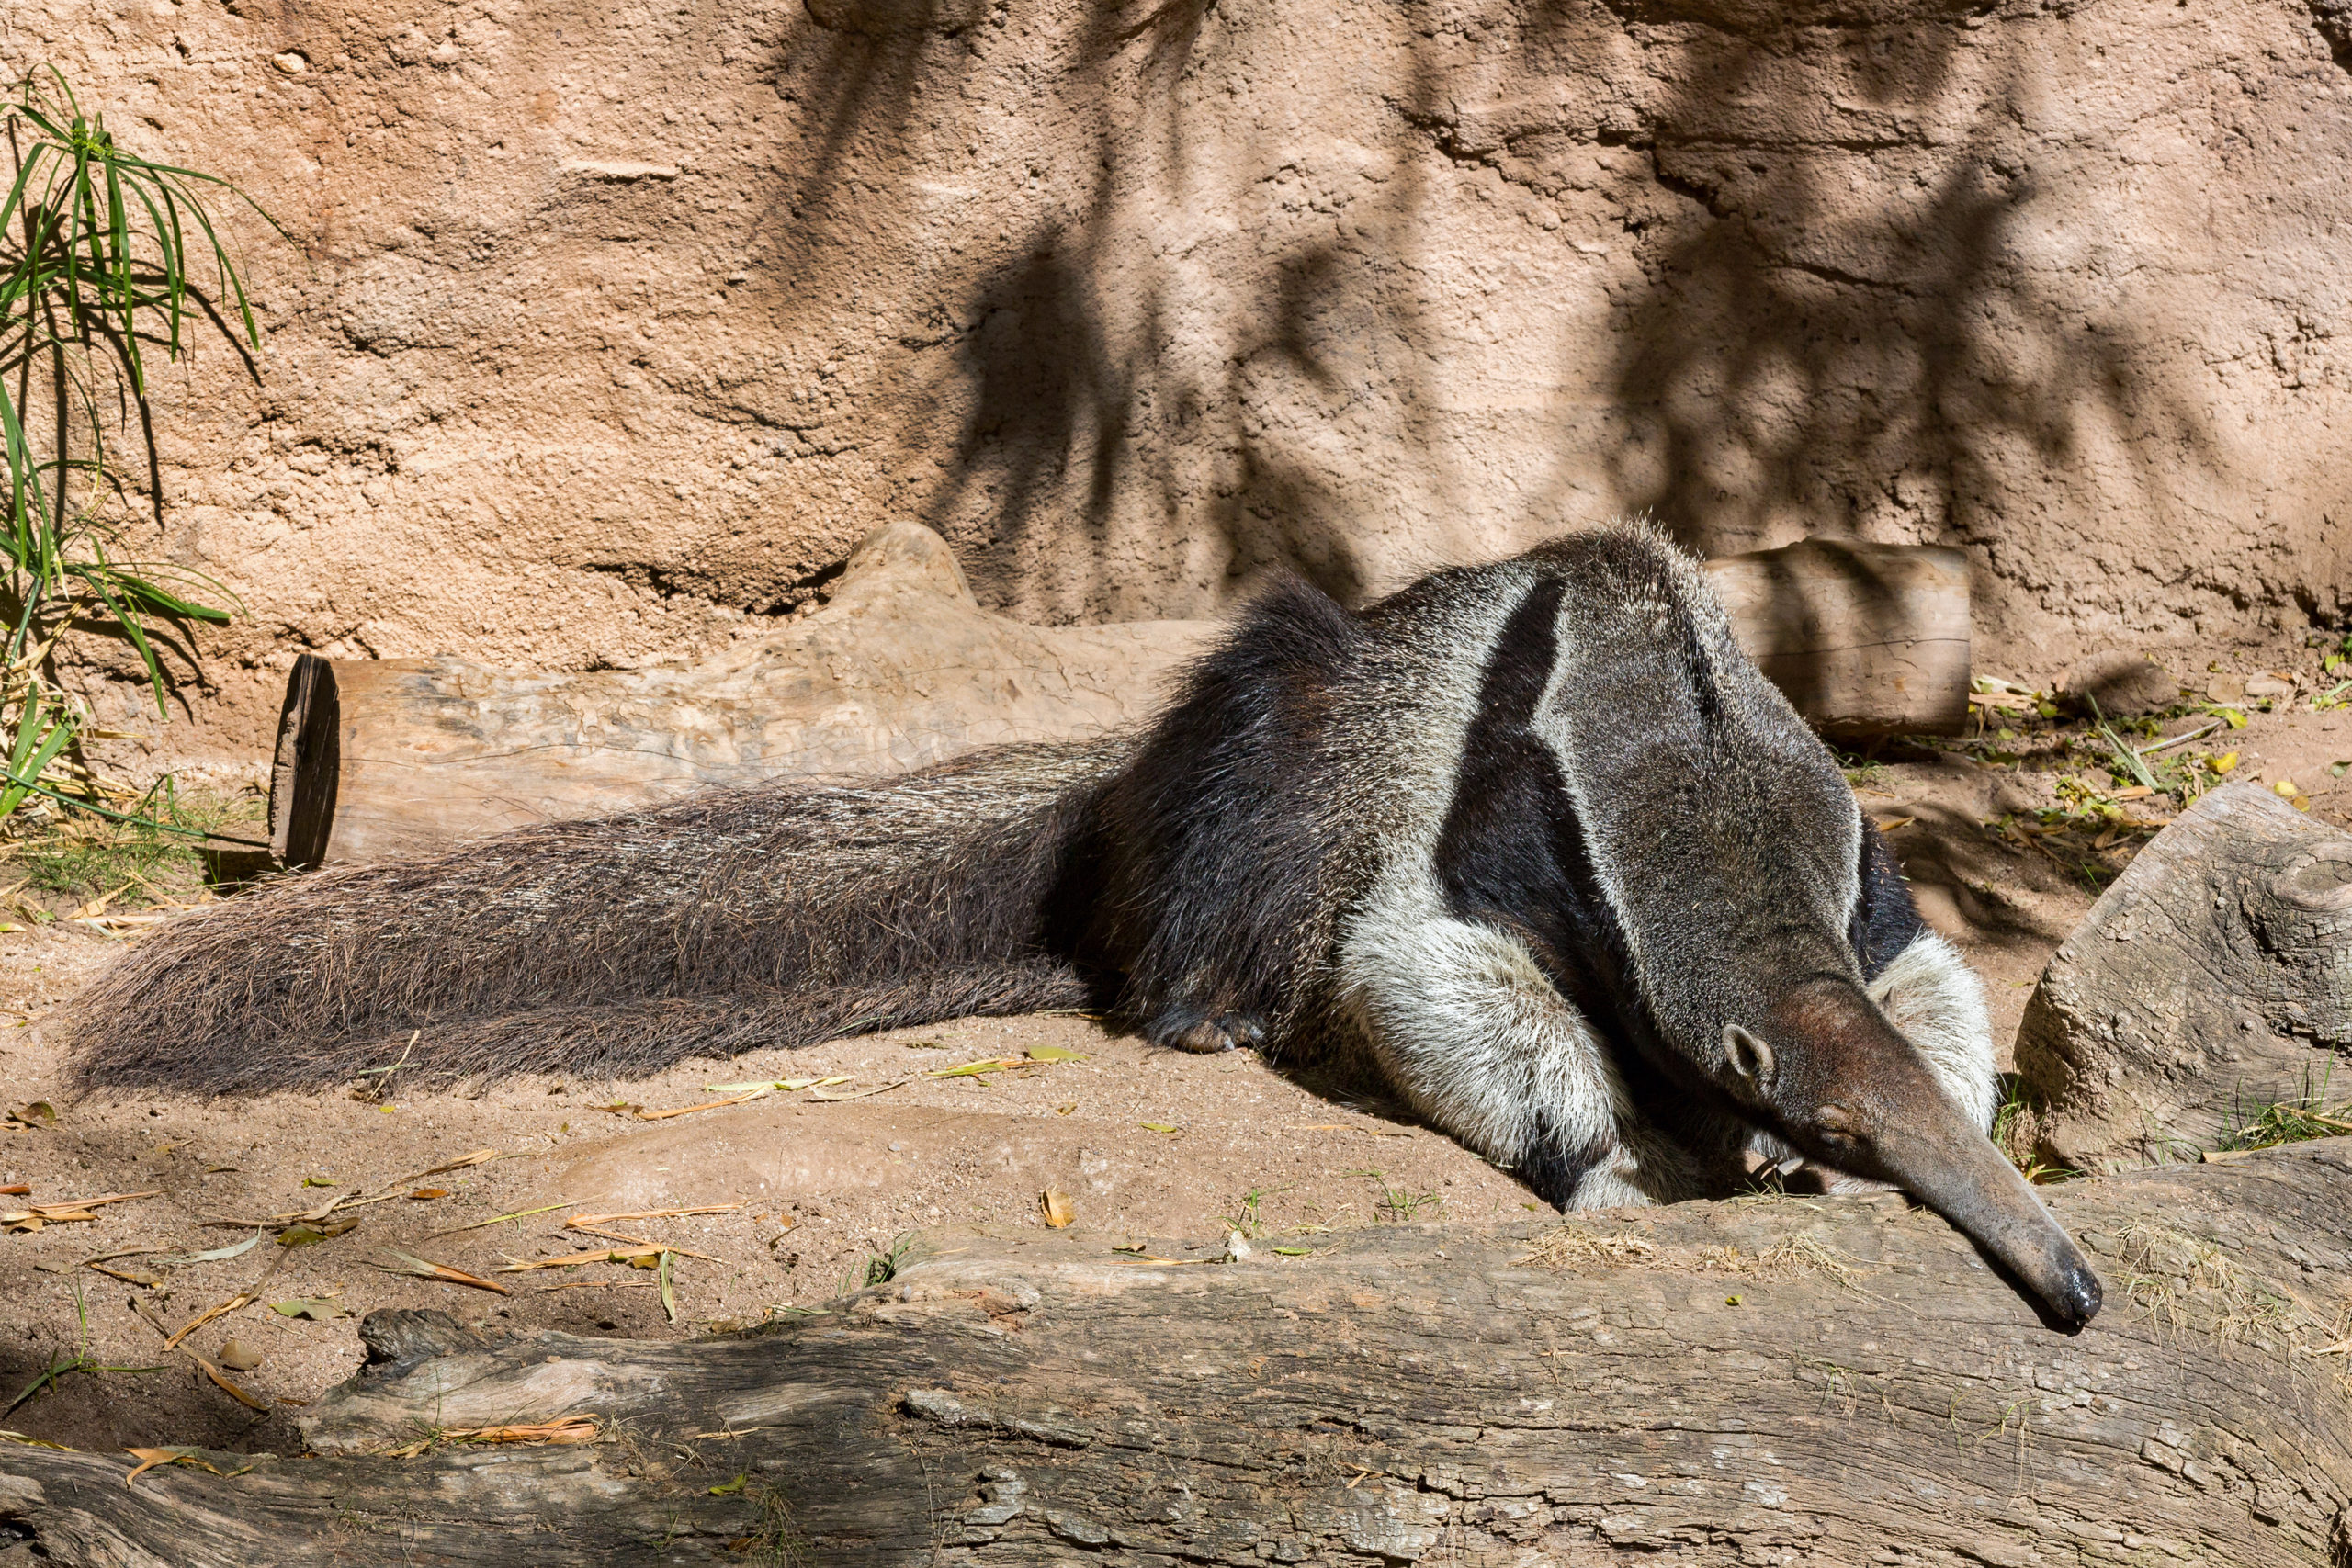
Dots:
{"x": 609, "y": 327}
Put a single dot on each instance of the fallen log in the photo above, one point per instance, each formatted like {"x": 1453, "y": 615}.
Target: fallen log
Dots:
{"x": 1798, "y": 1380}
{"x": 2212, "y": 978}
{"x": 378, "y": 759}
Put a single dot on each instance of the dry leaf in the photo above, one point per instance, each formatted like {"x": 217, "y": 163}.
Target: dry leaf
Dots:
{"x": 1053, "y": 1053}
{"x": 150, "y": 1458}
{"x": 502, "y": 1219}
{"x": 585, "y": 1220}
{"x": 216, "y": 1255}
{"x": 311, "y": 1235}
{"x": 63, "y": 1211}
{"x": 567, "y": 1429}
{"x": 860, "y": 1094}
{"x": 426, "y": 1194}
{"x": 35, "y": 1114}
{"x": 790, "y": 1086}
{"x": 1055, "y": 1207}
{"x": 639, "y": 1114}
{"x": 17, "y": 1190}
{"x": 424, "y": 1269}
{"x": 318, "y": 1308}
{"x": 479, "y": 1157}
{"x": 240, "y": 1356}
{"x": 172, "y": 1340}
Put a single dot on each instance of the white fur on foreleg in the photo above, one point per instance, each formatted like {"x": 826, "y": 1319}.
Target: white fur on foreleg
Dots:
{"x": 1935, "y": 999}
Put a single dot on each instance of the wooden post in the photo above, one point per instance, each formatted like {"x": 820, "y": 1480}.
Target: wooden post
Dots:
{"x": 380, "y": 759}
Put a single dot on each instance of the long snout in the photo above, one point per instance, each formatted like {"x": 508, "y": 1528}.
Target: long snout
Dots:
{"x": 1955, "y": 1171}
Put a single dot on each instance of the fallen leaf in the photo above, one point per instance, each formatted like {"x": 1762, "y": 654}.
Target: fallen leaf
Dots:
{"x": 669, "y": 1295}
{"x": 424, "y": 1269}
{"x": 1156, "y": 1126}
{"x": 568, "y": 1429}
{"x": 426, "y": 1194}
{"x": 150, "y": 1458}
{"x": 216, "y": 1255}
{"x": 1066, "y": 1108}
{"x": 976, "y": 1069}
{"x": 63, "y": 1211}
{"x": 641, "y": 1114}
{"x": 308, "y": 1234}
{"x": 139, "y": 1277}
{"x": 640, "y": 1256}
{"x": 318, "y": 1308}
{"x": 585, "y": 1220}
{"x": 860, "y": 1094}
{"x": 638, "y": 1241}
{"x": 34, "y": 1113}
{"x": 2287, "y": 787}
{"x": 2225, "y": 762}
{"x": 790, "y": 1086}
{"x": 479, "y": 1157}
{"x": 1055, "y": 1208}
{"x": 18, "y": 1190}
{"x": 240, "y": 1356}
{"x": 1053, "y": 1053}
{"x": 320, "y": 1181}
{"x": 172, "y": 1337}
{"x": 502, "y": 1219}
{"x": 728, "y": 1488}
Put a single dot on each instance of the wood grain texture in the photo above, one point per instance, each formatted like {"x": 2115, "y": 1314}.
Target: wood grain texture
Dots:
{"x": 2213, "y": 977}
{"x": 378, "y": 759}
{"x": 1771, "y": 1381}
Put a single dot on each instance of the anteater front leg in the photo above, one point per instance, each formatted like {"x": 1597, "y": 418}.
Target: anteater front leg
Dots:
{"x": 1465, "y": 1023}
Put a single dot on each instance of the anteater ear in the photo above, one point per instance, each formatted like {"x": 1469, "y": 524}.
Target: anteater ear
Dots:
{"x": 1749, "y": 1057}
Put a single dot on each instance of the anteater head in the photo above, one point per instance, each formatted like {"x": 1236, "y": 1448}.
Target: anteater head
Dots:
{"x": 1823, "y": 1066}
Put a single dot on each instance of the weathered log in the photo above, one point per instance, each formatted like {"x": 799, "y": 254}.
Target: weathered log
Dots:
{"x": 902, "y": 667}
{"x": 377, "y": 759}
{"x": 1865, "y": 639}
{"x": 1830, "y": 1381}
{"x": 2214, "y": 977}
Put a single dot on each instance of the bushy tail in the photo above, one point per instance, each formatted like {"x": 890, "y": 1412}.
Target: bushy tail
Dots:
{"x": 782, "y": 915}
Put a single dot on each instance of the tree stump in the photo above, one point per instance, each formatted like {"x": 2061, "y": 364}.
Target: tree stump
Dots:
{"x": 2214, "y": 976}
{"x": 1791, "y": 1381}
{"x": 378, "y": 759}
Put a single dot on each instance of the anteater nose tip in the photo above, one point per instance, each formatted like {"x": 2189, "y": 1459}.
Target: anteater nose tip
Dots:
{"x": 2079, "y": 1296}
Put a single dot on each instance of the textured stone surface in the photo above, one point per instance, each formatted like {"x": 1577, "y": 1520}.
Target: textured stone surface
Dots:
{"x": 610, "y": 325}
{"x": 2212, "y": 978}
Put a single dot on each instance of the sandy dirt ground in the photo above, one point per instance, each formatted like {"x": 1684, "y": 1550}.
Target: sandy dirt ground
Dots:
{"x": 1144, "y": 1145}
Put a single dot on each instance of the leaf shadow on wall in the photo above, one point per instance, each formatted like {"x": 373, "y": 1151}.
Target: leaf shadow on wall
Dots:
{"x": 1798, "y": 362}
